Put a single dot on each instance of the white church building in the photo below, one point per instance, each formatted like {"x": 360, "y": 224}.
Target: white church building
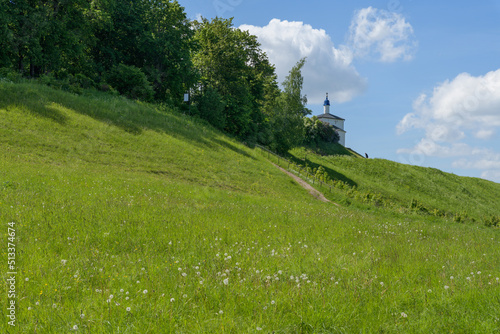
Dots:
{"x": 335, "y": 121}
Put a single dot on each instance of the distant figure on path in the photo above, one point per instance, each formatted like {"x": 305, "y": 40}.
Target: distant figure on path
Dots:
{"x": 366, "y": 154}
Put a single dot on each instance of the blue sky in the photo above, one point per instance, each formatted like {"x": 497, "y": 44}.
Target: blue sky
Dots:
{"x": 418, "y": 82}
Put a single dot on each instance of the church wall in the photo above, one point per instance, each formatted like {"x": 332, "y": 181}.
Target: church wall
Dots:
{"x": 342, "y": 138}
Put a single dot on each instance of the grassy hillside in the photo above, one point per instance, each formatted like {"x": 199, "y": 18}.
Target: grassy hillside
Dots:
{"x": 405, "y": 188}
{"x": 133, "y": 218}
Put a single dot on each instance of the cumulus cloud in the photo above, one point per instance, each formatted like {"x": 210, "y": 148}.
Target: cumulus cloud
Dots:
{"x": 458, "y": 111}
{"x": 328, "y": 68}
{"x": 386, "y": 35}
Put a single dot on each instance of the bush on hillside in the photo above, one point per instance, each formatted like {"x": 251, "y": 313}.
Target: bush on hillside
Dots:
{"x": 209, "y": 106}
{"x": 318, "y": 131}
{"x": 131, "y": 82}
{"x": 9, "y": 75}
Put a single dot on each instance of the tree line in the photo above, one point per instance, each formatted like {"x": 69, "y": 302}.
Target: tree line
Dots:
{"x": 150, "y": 50}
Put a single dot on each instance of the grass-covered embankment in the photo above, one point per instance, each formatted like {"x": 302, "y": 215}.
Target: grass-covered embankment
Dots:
{"x": 136, "y": 219}
{"x": 405, "y": 188}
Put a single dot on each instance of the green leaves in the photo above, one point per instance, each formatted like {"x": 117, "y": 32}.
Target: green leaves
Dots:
{"x": 318, "y": 131}
{"x": 231, "y": 63}
{"x": 287, "y": 115}
{"x": 130, "y": 81}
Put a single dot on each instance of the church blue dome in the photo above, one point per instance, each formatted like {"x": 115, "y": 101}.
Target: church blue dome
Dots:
{"x": 327, "y": 102}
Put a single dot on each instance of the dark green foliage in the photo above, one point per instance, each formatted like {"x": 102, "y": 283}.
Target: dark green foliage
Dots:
{"x": 9, "y": 75}
{"x": 209, "y": 106}
{"x": 230, "y": 62}
{"x": 131, "y": 82}
{"x": 287, "y": 114}
{"x": 5, "y": 36}
{"x": 91, "y": 37}
{"x": 155, "y": 36}
{"x": 44, "y": 36}
{"x": 318, "y": 131}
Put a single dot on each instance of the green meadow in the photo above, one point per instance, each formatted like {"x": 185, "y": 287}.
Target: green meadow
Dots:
{"x": 135, "y": 218}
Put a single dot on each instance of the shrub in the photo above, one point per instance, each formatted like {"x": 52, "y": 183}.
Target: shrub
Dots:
{"x": 82, "y": 81}
{"x": 210, "y": 107}
{"x": 318, "y": 131}
{"x": 131, "y": 82}
{"x": 9, "y": 75}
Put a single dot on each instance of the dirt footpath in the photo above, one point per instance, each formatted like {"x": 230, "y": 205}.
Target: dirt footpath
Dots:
{"x": 307, "y": 186}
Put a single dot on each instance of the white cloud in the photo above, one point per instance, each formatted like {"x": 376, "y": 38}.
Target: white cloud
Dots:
{"x": 493, "y": 175}
{"x": 457, "y": 112}
{"x": 385, "y": 34}
{"x": 328, "y": 68}
{"x": 197, "y": 17}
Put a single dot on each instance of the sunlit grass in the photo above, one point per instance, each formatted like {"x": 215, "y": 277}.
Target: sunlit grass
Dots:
{"x": 176, "y": 228}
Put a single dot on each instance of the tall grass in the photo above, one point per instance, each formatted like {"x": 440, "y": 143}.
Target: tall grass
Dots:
{"x": 175, "y": 228}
